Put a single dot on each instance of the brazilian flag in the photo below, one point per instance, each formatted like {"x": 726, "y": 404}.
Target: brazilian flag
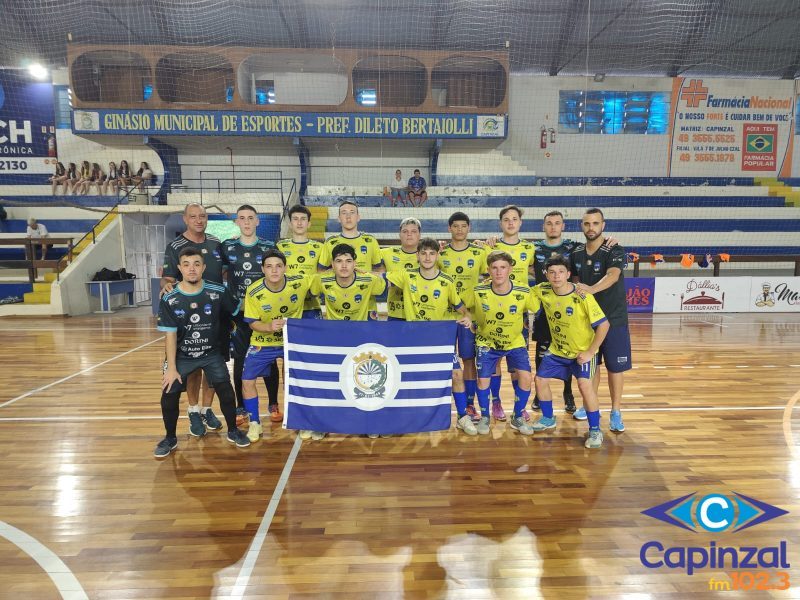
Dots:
{"x": 760, "y": 142}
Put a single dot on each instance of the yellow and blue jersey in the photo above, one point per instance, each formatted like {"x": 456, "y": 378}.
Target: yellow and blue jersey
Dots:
{"x": 572, "y": 319}
{"x": 426, "y": 299}
{"x": 500, "y": 317}
{"x": 262, "y": 304}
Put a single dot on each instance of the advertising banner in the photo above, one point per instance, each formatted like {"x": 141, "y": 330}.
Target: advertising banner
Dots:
{"x": 27, "y": 127}
{"x": 721, "y": 127}
{"x": 775, "y": 294}
{"x": 639, "y": 292}
{"x": 332, "y": 125}
{"x": 702, "y": 294}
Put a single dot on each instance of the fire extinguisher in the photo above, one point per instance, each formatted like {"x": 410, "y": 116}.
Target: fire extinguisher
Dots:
{"x": 552, "y": 135}
{"x": 543, "y": 138}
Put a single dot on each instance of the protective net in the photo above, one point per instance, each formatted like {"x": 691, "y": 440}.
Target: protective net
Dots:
{"x": 676, "y": 118}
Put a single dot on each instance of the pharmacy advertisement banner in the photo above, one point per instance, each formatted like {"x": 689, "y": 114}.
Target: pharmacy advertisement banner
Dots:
{"x": 27, "y": 127}
{"x": 730, "y": 127}
{"x": 259, "y": 124}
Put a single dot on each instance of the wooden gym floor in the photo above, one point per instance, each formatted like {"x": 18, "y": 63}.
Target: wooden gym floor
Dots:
{"x": 86, "y": 511}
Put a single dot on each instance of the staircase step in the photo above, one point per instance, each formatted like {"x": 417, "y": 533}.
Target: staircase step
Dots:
{"x": 37, "y": 297}
{"x": 50, "y": 277}
{"x": 43, "y": 287}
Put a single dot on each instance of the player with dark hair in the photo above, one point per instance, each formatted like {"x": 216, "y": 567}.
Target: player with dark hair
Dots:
{"x": 189, "y": 315}
{"x": 302, "y": 254}
{"x": 598, "y": 270}
{"x": 267, "y": 304}
{"x": 578, "y": 328}
{"x": 241, "y": 260}
{"x": 465, "y": 263}
{"x": 500, "y": 308}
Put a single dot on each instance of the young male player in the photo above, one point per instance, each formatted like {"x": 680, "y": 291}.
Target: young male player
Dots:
{"x": 522, "y": 253}
{"x": 241, "y": 260}
{"x": 302, "y": 254}
{"x": 578, "y": 328}
{"x": 500, "y": 308}
{"x": 190, "y": 316}
{"x": 196, "y": 220}
{"x": 430, "y": 295}
{"x": 348, "y": 295}
{"x": 465, "y": 263}
{"x": 267, "y": 304}
{"x": 401, "y": 258}
{"x": 598, "y": 269}
{"x": 368, "y": 252}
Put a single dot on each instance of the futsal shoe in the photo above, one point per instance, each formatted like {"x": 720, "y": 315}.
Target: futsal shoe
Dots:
{"x": 544, "y": 424}
{"x": 483, "y": 426}
{"x": 242, "y": 416}
{"x": 305, "y": 434}
{"x": 580, "y": 414}
{"x": 372, "y": 436}
{"x": 318, "y": 435}
{"x": 525, "y": 415}
{"x": 520, "y": 425}
{"x": 466, "y": 425}
{"x": 196, "y": 426}
{"x": 165, "y": 447}
{"x": 535, "y": 404}
{"x": 275, "y": 414}
{"x": 497, "y": 411}
{"x": 211, "y": 420}
{"x": 254, "y": 431}
{"x": 615, "y": 422}
{"x": 239, "y": 438}
{"x": 569, "y": 403}
{"x": 473, "y": 413}
{"x": 594, "y": 439}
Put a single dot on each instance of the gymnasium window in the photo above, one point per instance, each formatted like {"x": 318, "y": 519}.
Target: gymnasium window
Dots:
{"x": 611, "y": 112}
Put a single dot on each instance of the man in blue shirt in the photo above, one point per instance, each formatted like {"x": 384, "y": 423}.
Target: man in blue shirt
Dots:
{"x": 416, "y": 189}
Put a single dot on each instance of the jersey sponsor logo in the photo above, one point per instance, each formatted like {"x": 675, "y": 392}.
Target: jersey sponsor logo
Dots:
{"x": 195, "y": 335}
{"x": 311, "y": 253}
{"x": 195, "y": 318}
{"x": 172, "y": 300}
{"x": 247, "y": 255}
{"x": 247, "y": 266}
{"x": 216, "y": 253}
{"x": 513, "y": 309}
{"x": 248, "y": 281}
{"x": 363, "y": 287}
{"x": 396, "y": 259}
{"x": 346, "y": 306}
{"x": 413, "y": 289}
{"x": 569, "y": 311}
{"x": 423, "y": 298}
{"x": 284, "y": 309}
{"x": 296, "y": 285}
{"x": 207, "y": 309}
{"x": 446, "y": 263}
{"x": 408, "y": 266}
{"x": 330, "y": 298}
{"x": 358, "y": 297}
{"x": 523, "y": 256}
{"x": 203, "y": 251}
{"x": 363, "y": 249}
{"x": 485, "y": 307}
{"x": 557, "y": 315}
{"x": 180, "y": 313}
{"x": 193, "y": 305}
{"x": 293, "y": 298}
{"x": 258, "y": 259}
{"x": 436, "y": 293}
{"x": 287, "y": 253}
{"x": 301, "y": 259}
{"x": 213, "y": 296}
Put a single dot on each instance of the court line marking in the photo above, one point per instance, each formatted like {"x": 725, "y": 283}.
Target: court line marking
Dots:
{"x": 254, "y": 549}
{"x": 65, "y": 581}
{"x": 81, "y": 372}
{"x": 787, "y": 423}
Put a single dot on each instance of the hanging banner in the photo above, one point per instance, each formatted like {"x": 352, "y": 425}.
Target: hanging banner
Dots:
{"x": 775, "y": 294}
{"x": 333, "y": 125}
{"x": 27, "y": 127}
{"x": 639, "y": 292}
{"x": 721, "y": 127}
{"x": 702, "y": 294}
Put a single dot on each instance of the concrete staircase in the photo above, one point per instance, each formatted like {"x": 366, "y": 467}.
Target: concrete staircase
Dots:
{"x": 779, "y": 189}
{"x": 41, "y": 293}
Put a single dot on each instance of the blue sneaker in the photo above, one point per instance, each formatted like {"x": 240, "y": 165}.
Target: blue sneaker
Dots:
{"x": 211, "y": 420}
{"x": 615, "y": 422}
{"x": 165, "y": 447}
{"x": 544, "y": 423}
{"x": 196, "y": 426}
{"x": 580, "y": 414}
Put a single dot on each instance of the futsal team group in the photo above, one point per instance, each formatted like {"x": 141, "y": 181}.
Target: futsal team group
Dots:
{"x": 223, "y": 300}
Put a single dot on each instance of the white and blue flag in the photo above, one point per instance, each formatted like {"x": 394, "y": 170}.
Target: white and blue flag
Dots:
{"x": 368, "y": 376}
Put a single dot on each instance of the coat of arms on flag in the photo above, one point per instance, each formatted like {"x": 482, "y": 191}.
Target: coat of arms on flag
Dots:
{"x": 368, "y": 377}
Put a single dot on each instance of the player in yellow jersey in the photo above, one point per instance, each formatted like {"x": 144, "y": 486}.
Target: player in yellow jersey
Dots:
{"x": 465, "y": 262}
{"x": 368, "y": 252}
{"x": 500, "y": 308}
{"x": 302, "y": 254}
{"x": 267, "y": 304}
{"x": 578, "y": 327}
{"x": 401, "y": 258}
{"x": 430, "y": 295}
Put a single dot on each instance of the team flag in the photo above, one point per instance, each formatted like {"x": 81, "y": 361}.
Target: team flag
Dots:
{"x": 368, "y": 376}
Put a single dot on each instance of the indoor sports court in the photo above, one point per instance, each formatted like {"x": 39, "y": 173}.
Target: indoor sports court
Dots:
{"x": 656, "y": 136}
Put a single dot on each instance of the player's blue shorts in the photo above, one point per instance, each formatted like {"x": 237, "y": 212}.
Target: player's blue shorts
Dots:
{"x": 615, "y": 351}
{"x": 259, "y": 359}
{"x": 466, "y": 342}
{"x": 558, "y": 367}
{"x": 314, "y": 313}
{"x": 486, "y": 360}
{"x": 395, "y": 319}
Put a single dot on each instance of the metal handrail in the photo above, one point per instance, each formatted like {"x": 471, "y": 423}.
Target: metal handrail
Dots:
{"x": 92, "y": 233}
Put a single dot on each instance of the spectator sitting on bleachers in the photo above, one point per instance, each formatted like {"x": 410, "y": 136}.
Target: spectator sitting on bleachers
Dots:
{"x": 416, "y": 189}
{"x": 59, "y": 178}
{"x": 111, "y": 179}
{"x": 84, "y": 177}
{"x": 143, "y": 177}
{"x": 124, "y": 174}
{"x": 396, "y": 189}
{"x": 37, "y": 231}
{"x": 72, "y": 177}
{"x": 96, "y": 179}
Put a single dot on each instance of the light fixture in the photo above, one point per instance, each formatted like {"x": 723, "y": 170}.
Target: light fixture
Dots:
{"x": 598, "y": 77}
{"x": 37, "y": 71}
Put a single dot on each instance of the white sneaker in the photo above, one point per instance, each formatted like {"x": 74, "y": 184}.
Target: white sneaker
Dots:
{"x": 594, "y": 439}
{"x": 318, "y": 435}
{"x": 466, "y": 425}
{"x": 372, "y": 436}
{"x": 305, "y": 434}
{"x": 254, "y": 431}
